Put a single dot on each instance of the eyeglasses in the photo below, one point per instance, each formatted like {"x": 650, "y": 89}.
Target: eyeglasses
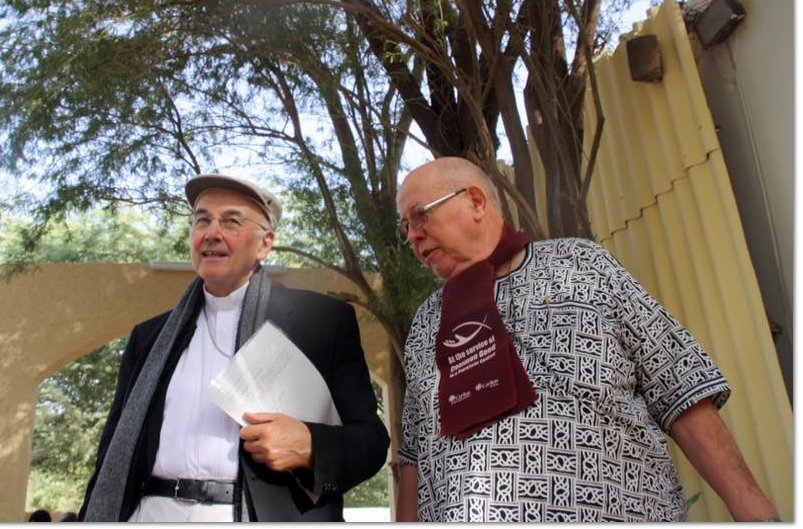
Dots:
{"x": 419, "y": 216}
{"x": 231, "y": 224}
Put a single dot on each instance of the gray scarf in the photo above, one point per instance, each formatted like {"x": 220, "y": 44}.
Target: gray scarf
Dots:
{"x": 107, "y": 494}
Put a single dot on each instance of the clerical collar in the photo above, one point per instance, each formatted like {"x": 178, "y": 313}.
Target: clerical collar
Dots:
{"x": 233, "y": 301}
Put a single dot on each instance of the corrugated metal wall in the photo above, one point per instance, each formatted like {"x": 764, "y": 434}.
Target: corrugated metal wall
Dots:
{"x": 661, "y": 201}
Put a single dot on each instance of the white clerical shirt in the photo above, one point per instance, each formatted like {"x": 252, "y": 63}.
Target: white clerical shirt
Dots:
{"x": 198, "y": 440}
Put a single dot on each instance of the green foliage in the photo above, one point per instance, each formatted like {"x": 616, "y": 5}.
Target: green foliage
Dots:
{"x": 70, "y": 414}
{"x": 123, "y": 235}
{"x": 691, "y": 501}
{"x": 53, "y": 491}
{"x": 371, "y": 493}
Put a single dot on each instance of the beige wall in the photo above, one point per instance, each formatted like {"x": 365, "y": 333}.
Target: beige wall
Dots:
{"x": 58, "y": 313}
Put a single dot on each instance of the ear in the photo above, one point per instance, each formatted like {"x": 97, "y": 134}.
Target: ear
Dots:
{"x": 266, "y": 244}
{"x": 479, "y": 201}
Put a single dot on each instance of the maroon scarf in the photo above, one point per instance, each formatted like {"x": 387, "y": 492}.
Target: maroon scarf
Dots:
{"x": 481, "y": 376}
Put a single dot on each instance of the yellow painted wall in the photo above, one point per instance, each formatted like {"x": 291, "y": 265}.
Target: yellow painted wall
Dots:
{"x": 662, "y": 202}
{"x": 59, "y": 312}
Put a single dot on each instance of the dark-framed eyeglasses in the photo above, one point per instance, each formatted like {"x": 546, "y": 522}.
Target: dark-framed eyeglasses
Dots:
{"x": 230, "y": 224}
{"x": 419, "y": 216}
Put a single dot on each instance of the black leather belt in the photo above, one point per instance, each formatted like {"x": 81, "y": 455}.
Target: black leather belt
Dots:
{"x": 198, "y": 490}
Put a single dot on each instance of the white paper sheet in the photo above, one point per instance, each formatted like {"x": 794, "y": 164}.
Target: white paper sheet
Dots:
{"x": 270, "y": 374}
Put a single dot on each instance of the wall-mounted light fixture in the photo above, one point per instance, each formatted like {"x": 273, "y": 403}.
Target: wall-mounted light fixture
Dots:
{"x": 717, "y": 21}
{"x": 644, "y": 59}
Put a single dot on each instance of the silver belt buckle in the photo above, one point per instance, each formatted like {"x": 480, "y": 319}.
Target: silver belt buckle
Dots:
{"x": 205, "y": 492}
{"x": 179, "y": 498}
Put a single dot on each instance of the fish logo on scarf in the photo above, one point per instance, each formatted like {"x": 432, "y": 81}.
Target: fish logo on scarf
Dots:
{"x": 461, "y": 340}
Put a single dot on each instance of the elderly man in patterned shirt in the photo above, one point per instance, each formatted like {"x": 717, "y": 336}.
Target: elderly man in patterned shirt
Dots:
{"x": 542, "y": 377}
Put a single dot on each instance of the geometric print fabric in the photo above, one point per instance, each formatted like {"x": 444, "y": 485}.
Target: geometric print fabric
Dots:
{"x": 611, "y": 368}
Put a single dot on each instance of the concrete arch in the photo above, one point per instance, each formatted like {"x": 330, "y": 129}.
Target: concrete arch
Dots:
{"x": 57, "y": 313}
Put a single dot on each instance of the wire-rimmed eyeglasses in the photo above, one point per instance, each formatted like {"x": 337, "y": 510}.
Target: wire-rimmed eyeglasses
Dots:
{"x": 230, "y": 224}
{"x": 419, "y": 216}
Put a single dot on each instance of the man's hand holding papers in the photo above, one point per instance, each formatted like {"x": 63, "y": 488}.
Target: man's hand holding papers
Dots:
{"x": 280, "y": 442}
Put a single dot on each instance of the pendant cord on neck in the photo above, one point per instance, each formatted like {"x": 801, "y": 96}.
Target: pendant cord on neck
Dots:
{"x": 212, "y": 334}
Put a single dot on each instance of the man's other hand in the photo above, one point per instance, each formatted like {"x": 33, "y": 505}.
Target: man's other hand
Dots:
{"x": 280, "y": 442}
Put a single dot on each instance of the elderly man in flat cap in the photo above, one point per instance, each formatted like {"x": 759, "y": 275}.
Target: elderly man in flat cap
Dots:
{"x": 168, "y": 454}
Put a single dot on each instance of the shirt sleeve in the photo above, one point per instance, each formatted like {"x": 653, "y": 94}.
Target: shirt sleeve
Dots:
{"x": 673, "y": 371}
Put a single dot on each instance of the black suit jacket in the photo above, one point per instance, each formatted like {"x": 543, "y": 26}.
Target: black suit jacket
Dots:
{"x": 326, "y": 331}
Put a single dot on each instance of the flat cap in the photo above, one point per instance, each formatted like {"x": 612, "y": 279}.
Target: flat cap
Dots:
{"x": 263, "y": 198}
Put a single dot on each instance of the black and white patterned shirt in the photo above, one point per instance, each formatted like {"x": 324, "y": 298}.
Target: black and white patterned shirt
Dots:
{"x": 611, "y": 368}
